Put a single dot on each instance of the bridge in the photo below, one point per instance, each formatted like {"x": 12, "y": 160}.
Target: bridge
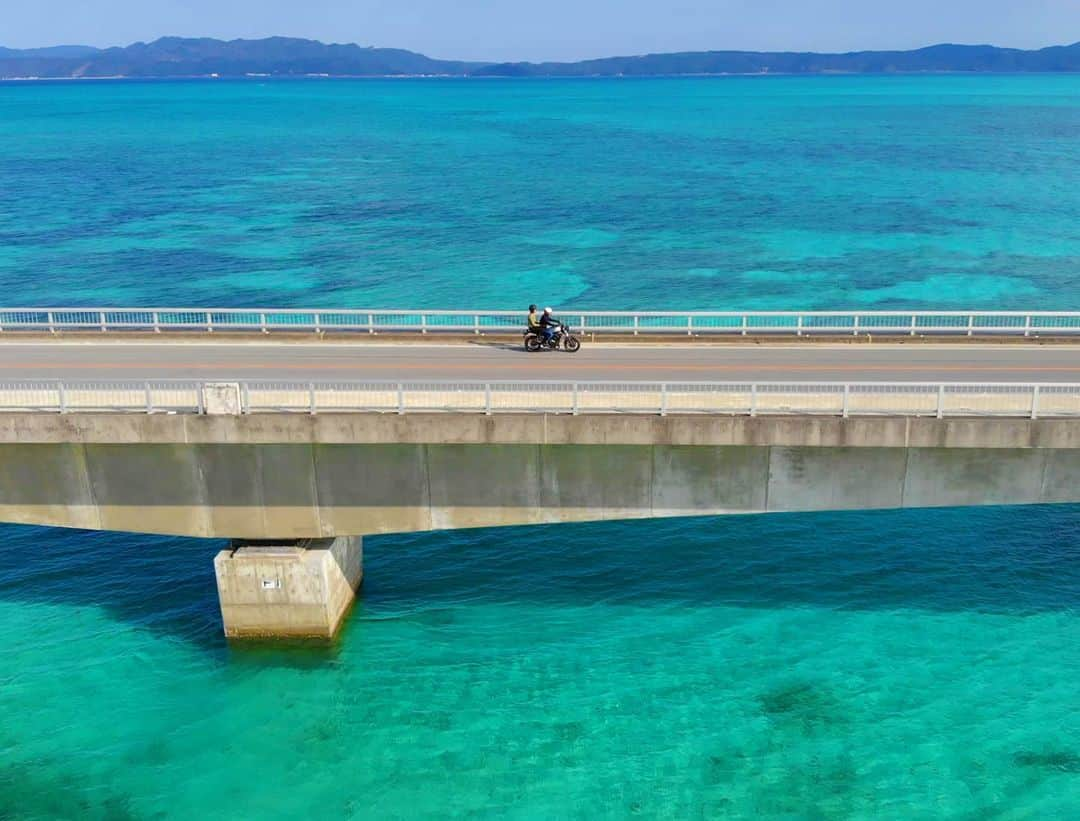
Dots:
{"x": 296, "y": 444}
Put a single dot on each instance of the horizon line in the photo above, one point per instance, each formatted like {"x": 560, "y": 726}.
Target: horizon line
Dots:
{"x": 536, "y": 62}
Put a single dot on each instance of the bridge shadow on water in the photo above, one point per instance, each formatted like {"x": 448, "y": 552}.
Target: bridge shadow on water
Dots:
{"x": 1004, "y": 560}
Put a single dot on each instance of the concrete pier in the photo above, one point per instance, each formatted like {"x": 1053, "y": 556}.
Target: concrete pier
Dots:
{"x": 288, "y": 588}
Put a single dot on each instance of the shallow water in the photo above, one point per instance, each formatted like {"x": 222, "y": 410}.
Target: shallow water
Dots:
{"x": 722, "y": 193}
{"x": 862, "y": 665}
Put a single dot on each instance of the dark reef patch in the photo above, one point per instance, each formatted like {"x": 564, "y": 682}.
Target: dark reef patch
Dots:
{"x": 805, "y": 704}
{"x": 1063, "y": 761}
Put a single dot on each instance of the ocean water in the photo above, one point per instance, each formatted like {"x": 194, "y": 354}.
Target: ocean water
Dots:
{"x": 723, "y": 193}
{"x": 890, "y": 665}
{"x": 876, "y": 665}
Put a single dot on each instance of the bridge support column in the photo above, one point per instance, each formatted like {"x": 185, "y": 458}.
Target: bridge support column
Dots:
{"x": 288, "y": 588}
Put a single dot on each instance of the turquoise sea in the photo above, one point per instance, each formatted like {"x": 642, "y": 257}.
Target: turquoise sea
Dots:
{"x": 723, "y": 193}
{"x": 878, "y": 665}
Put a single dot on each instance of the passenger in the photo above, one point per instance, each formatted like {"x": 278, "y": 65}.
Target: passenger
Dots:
{"x": 548, "y": 326}
{"x": 534, "y": 320}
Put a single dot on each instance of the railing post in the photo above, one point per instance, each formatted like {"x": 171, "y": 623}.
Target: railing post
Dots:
{"x": 487, "y": 399}
{"x": 1035, "y": 402}
{"x": 855, "y": 325}
{"x": 262, "y": 323}
{"x": 400, "y": 398}
{"x": 318, "y": 330}
{"x": 423, "y": 323}
{"x": 156, "y": 318}
{"x": 663, "y": 399}
{"x": 52, "y": 325}
{"x": 798, "y": 326}
{"x": 62, "y": 396}
{"x": 1027, "y": 325}
{"x": 200, "y": 390}
{"x": 753, "y": 400}
{"x": 971, "y": 325}
{"x": 371, "y": 323}
{"x": 245, "y": 399}
{"x": 847, "y": 394}
{"x": 149, "y": 400}
{"x": 476, "y": 325}
{"x": 311, "y": 398}
{"x": 745, "y": 323}
{"x": 209, "y": 322}
{"x": 914, "y": 323}
{"x": 101, "y": 317}
{"x": 940, "y": 401}
{"x": 689, "y": 325}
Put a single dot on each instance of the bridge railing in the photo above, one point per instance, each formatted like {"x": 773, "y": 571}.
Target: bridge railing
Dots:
{"x": 675, "y": 323}
{"x": 657, "y": 398}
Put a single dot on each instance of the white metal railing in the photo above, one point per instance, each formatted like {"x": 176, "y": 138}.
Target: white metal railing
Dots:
{"x": 689, "y": 323}
{"x": 662, "y": 398}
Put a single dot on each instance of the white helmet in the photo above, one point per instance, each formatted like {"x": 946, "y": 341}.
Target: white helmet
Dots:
{"x": 547, "y": 310}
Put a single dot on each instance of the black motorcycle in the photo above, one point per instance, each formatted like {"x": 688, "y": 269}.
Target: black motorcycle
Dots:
{"x": 560, "y": 337}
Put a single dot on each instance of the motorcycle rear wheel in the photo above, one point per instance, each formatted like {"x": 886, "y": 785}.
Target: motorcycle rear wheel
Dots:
{"x": 532, "y": 343}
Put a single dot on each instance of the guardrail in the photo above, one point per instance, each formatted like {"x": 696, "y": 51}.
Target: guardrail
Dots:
{"x": 719, "y": 398}
{"x": 692, "y": 323}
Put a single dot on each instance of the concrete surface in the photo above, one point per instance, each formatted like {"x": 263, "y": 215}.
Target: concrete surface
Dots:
{"x": 536, "y": 429}
{"x": 221, "y": 399}
{"x": 275, "y": 590}
{"x": 324, "y": 490}
{"x": 118, "y": 359}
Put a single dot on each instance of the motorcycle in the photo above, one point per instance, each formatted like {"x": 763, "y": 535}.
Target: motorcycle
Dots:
{"x": 562, "y": 337}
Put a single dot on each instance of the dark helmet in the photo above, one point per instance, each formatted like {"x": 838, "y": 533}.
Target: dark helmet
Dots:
{"x": 532, "y": 307}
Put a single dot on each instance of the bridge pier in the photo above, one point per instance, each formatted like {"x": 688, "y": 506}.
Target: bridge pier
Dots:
{"x": 280, "y": 588}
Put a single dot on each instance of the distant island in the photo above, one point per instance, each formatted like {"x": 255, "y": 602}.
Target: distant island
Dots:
{"x": 291, "y": 57}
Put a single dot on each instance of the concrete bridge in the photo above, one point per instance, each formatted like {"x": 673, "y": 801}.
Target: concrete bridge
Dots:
{"x": 233, "y": 440}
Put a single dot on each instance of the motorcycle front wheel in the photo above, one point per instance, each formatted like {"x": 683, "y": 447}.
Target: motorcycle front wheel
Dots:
{"x": 572, "y": 344}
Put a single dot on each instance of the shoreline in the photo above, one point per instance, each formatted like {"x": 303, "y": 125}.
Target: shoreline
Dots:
{"x": 702, "y": 75}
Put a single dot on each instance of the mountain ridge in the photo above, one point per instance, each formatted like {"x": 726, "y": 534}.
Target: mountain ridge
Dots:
{"x": 290, "y": 57}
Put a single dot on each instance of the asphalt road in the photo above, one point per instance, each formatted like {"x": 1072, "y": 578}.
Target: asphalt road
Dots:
{"x": 112, "y": 360}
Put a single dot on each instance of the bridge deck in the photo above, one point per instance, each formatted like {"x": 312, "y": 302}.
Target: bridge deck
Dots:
{"x": 236, "y": 360}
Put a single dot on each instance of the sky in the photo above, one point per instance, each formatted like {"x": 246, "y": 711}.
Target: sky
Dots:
{"x": 553, "y": 29}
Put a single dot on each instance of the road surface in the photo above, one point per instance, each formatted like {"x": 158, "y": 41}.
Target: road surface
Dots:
{"x": 236, "y": 360}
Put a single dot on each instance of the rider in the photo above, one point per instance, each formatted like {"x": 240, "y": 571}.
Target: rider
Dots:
{"x": 534, "y": 320}
{"x": 548, "y": 326}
